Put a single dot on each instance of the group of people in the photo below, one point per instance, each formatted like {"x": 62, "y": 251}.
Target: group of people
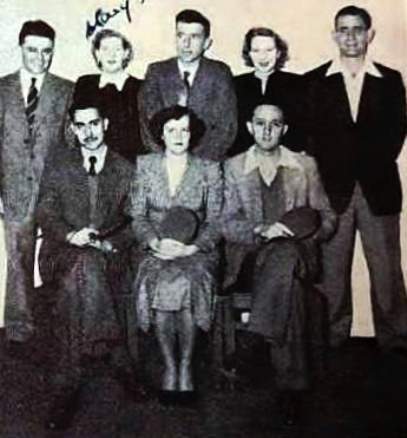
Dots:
{"x": 170, "y": 189}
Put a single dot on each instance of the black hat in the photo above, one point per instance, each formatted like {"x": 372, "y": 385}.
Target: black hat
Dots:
{"x": 180, "y": 224}
{"x": 302, "y": 221}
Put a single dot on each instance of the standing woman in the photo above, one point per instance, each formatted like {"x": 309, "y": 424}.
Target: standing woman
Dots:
{"x": 267, "y": 52}
{"x": 116, "y": 91}
{"x": 176, "y": 203}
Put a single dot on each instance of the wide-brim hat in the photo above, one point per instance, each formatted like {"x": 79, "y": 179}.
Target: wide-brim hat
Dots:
{"x": 302, "y": 221}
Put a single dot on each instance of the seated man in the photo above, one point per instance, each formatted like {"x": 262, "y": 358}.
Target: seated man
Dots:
{"x": 86, "y": 235}
{"x": 275, "y": 212}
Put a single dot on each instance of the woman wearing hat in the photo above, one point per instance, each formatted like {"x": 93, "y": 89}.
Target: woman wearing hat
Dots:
{"x": 176, "y": 202}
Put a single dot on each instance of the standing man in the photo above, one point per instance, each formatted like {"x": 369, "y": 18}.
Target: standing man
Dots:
{"x": 194, "y": 81}
{"x": 357, "y": 119}
{"x": 33, "y": 110}
{"x": 84, "y": 255}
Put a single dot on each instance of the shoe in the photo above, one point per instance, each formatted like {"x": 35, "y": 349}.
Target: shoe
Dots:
{"x": 62, "y": 412}
{"x": 187, "y": 399}
{"x": 168, "y": 398}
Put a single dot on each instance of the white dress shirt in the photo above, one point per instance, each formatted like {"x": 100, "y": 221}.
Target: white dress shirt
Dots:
{"x": 191, "y": 68}
{"x": 354, "y": 83}
{"x": 117, "y": 79}
{"x": 99, "y": 154}
{"x": 176, "y": 166}
{"x": 26, "y": 80}
{"x": 268, "y": 164}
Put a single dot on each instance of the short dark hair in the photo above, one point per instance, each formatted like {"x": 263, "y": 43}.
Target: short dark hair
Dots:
{"x": 86, "y": 103}
{"x": 109, "y": 33}
{"x": 176, "y": 112}
{"x": 192, "y": 16}
{"x": 281, "y": 45}
{"x": 354, "y": 10}
{"x": 37, "y": 28}
{"x": 268, "y": 102}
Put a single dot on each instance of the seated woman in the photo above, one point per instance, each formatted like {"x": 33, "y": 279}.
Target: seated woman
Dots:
{"x": 267, "y": 52}
{"x": 116, "y": 91}
{"x": 176, "y": 202}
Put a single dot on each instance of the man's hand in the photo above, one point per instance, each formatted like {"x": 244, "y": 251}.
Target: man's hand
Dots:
{"x": 102, "y": 245}
{"x": 82, "y": 237}
{"x": 269, "y": 232}
{"x": 170, "y": 249}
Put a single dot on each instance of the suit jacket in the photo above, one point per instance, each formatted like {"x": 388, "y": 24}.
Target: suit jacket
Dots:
{"x": 282, "y": 88}
{"x": 121, "y": 108}
{"x": 200, "y": 190}
{"x": 211, "y": 97}
{"x": 22, "y": 157}
{"x": 364, "y": 151}
{"x": 243, "y": 209}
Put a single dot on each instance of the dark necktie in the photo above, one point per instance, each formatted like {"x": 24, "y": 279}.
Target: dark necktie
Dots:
{"x": 187, "y": 74}
{"x": 32, "y": 103}
{"x": 92, "y": 168}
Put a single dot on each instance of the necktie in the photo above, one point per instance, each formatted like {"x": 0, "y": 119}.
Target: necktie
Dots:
{"x": 187, "y": 74}
{"x": 32, "y": 103}
{"x": 92, "y": 168}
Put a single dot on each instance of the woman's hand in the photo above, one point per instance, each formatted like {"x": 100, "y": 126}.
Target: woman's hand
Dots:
{"x": 269, "y": 232}
{"x": 170, "y": 249}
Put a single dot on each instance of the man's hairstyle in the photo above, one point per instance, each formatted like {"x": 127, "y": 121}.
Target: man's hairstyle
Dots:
{"x": 354, "y": 10}
{"x": 37, "y": 28}
{"x": 176, "y": 112}
{"x": 192, "y": 16}
{"x": 267, "y": 102}
{"x": 281, "y": 45}
{"x": 84, "y": 103}
{"x": 109, "y": 33}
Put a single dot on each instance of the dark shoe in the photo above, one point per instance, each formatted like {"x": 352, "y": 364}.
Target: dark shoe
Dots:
{"x": 187, "y": 399}
{"x": 63, "y": 411}
{"x": 168, "y": 398}
{"x": 289, "y": 407}
{"x": 131, "y": 383}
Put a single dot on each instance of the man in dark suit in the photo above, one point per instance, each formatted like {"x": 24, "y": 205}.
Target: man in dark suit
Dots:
{"x": 192, "y": 80}
{"x": 357, "y": 127}
{"x": 33, "y": 109}
{"x": 85, "y": 252}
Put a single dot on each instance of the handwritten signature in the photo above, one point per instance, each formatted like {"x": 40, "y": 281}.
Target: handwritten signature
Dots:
{"x": 102, "y": 17}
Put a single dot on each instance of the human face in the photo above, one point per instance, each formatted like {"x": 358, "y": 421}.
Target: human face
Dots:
{"x": 191, "y": 41}
{"x": 111, "y": 55}
{"x": 267, "y": 127}
{"x": 352, "y": 37}
{"x": 176, "y": 136}
{"x": 37, "y": 52}
{"x": 89, "y": 128}
{"x": 264, "y": 53}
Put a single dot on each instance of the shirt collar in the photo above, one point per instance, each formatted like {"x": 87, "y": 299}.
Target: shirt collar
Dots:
{"x": 254, "y": 160}
{"x": 191, "y": 68}
{"x": 99, "y": 153}
{"x": 26, "y": 77}
{"x": 118, "y": 80}
{"x": 368, "y": 67}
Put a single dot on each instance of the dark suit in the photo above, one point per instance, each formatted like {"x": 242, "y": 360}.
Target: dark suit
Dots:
{"x": 120, "y": 107}
{"x": 22, "y": 158}
{"x": 357, "y": 162}
{"x": 211, "y": 97}
{"x": 86, "y": 283}
{"x": 284, "y": 89}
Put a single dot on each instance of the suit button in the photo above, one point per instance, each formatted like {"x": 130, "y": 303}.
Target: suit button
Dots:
{"x": 32, "y": 156}
{"x": 26, "y": 140}
{"x": 29, "y": 178}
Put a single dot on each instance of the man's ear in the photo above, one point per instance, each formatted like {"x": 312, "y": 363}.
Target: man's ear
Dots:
{"x": 370, "y": 35}
{"x": 72, "y": 127}
{"x": 105, "y": 124}
{"x": 285, "y": 129}
{"x": 249, "y": 126}
{"x": 208, "y": 43}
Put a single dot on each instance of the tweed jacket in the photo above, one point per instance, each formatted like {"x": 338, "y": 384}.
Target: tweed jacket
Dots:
{"x": 211, "y": 97}
{"x": 243, "y": 209}
{"x": 64, "y": 204}
{"x": 365, "y": 150}
{"x": 200, "y": 190}
{"x": 22, "y": 156}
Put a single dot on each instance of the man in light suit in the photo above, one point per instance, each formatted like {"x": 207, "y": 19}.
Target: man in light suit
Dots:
{"x": 33, "y": 109}
{"x": 275, "y": 212}
{"x": 357, "y": 115}
{"x": 194, "y": 81}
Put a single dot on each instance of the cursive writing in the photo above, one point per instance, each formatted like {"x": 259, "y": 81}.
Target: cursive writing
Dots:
{"x": 102, "y": 16}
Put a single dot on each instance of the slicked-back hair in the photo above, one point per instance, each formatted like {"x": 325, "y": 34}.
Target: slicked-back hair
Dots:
{"x": 176, "y": 112}
{"x": 355, "y": 11}
{"x": 193, "y": 16}
{"x": 36, "y": 28}
{"x": 281, "y": 45}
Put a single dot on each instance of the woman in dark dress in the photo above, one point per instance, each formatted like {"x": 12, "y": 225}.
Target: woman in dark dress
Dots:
{"x": 178, "y": 272}
{"x": 116, "y": 91}
{"x": 267, "y": 52}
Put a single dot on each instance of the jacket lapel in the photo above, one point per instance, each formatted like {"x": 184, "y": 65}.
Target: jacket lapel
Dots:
{"x": 370, "y": 97}
{"x": 338, "y": 96}
{"x": 16, "y": 99}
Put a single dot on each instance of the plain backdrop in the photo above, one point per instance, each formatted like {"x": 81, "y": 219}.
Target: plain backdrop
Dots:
{"x": 305, "y": 24}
